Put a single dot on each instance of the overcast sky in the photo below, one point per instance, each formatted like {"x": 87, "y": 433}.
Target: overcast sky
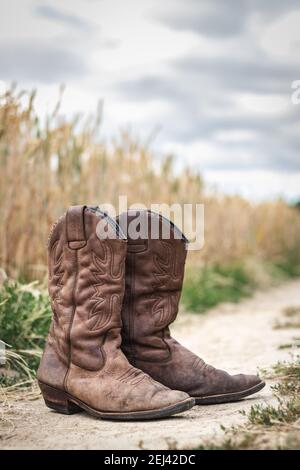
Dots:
{"x": 213, "y": 77}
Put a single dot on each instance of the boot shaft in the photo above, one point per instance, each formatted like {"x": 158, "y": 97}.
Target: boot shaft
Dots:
{"x": 154, "y": 275}
{"x": 86, "y": 286}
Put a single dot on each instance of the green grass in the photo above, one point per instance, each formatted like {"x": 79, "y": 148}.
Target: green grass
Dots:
{"x": 289, "y": 267}
{"x": 207, "y": 287}
{"x": 288, "y": 409}
{"x": 286, "y": 324}
{"x": 268, "y": 415}
{"x": 212, "y": 285}
{"x": 291, "y": 311}
{"x": 246, "y": 441}
{"x": 25, "y": 316}
{"x": 288, "y": 370}
{"x": 292, "y": 318}
{"x": 285, "y": 346}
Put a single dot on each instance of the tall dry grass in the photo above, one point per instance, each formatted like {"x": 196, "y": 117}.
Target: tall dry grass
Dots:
{"x": 47, "y": 166}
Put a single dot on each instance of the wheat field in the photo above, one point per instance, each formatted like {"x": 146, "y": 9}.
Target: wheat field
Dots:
{"x": 47, "y": 165}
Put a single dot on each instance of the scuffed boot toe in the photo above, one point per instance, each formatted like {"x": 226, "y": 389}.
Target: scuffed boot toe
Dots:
{"x": 172, "y": 399}
{"x": 234, "y": 388}
{"x": 247, "y": 383}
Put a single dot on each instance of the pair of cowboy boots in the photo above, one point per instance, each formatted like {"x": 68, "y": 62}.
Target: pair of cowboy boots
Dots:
{"x": 109, "y": 350}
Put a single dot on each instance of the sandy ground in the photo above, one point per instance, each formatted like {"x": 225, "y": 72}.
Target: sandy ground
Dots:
{"x": 239, "y": 338}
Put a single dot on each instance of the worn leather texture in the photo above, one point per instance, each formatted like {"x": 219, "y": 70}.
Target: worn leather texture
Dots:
{"x": 86, "y": 286}
{"x": 154, "y": 277}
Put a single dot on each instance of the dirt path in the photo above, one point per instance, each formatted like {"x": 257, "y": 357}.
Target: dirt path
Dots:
{"x": 235, "y": 337}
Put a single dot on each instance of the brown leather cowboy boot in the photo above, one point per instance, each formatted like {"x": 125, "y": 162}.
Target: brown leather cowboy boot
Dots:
{"x": 154, "y": 276}
{"x": 83, "y": 367}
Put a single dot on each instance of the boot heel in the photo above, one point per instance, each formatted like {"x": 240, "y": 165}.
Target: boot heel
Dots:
{"x": 57, "y": 400}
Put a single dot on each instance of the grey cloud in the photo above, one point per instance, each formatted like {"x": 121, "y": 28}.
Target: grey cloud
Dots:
{"x": 270, "y": 148}
{"x": 260, "y": 76}
{"x": 39, "y": 62}
{"x": 195, "y": 78}
{"x": 87, "y": 29}
{"x": 205, "y": 17}
{"x": 218, "y": 19}
{"x": 55, "y": 14}
{"x": 200, "y": 110}
{"x": 150, "y": 88}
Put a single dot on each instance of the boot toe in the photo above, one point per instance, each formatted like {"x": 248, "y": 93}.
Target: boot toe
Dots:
{"x": 247, "y": 381}
{"x": 166, "y": 398}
